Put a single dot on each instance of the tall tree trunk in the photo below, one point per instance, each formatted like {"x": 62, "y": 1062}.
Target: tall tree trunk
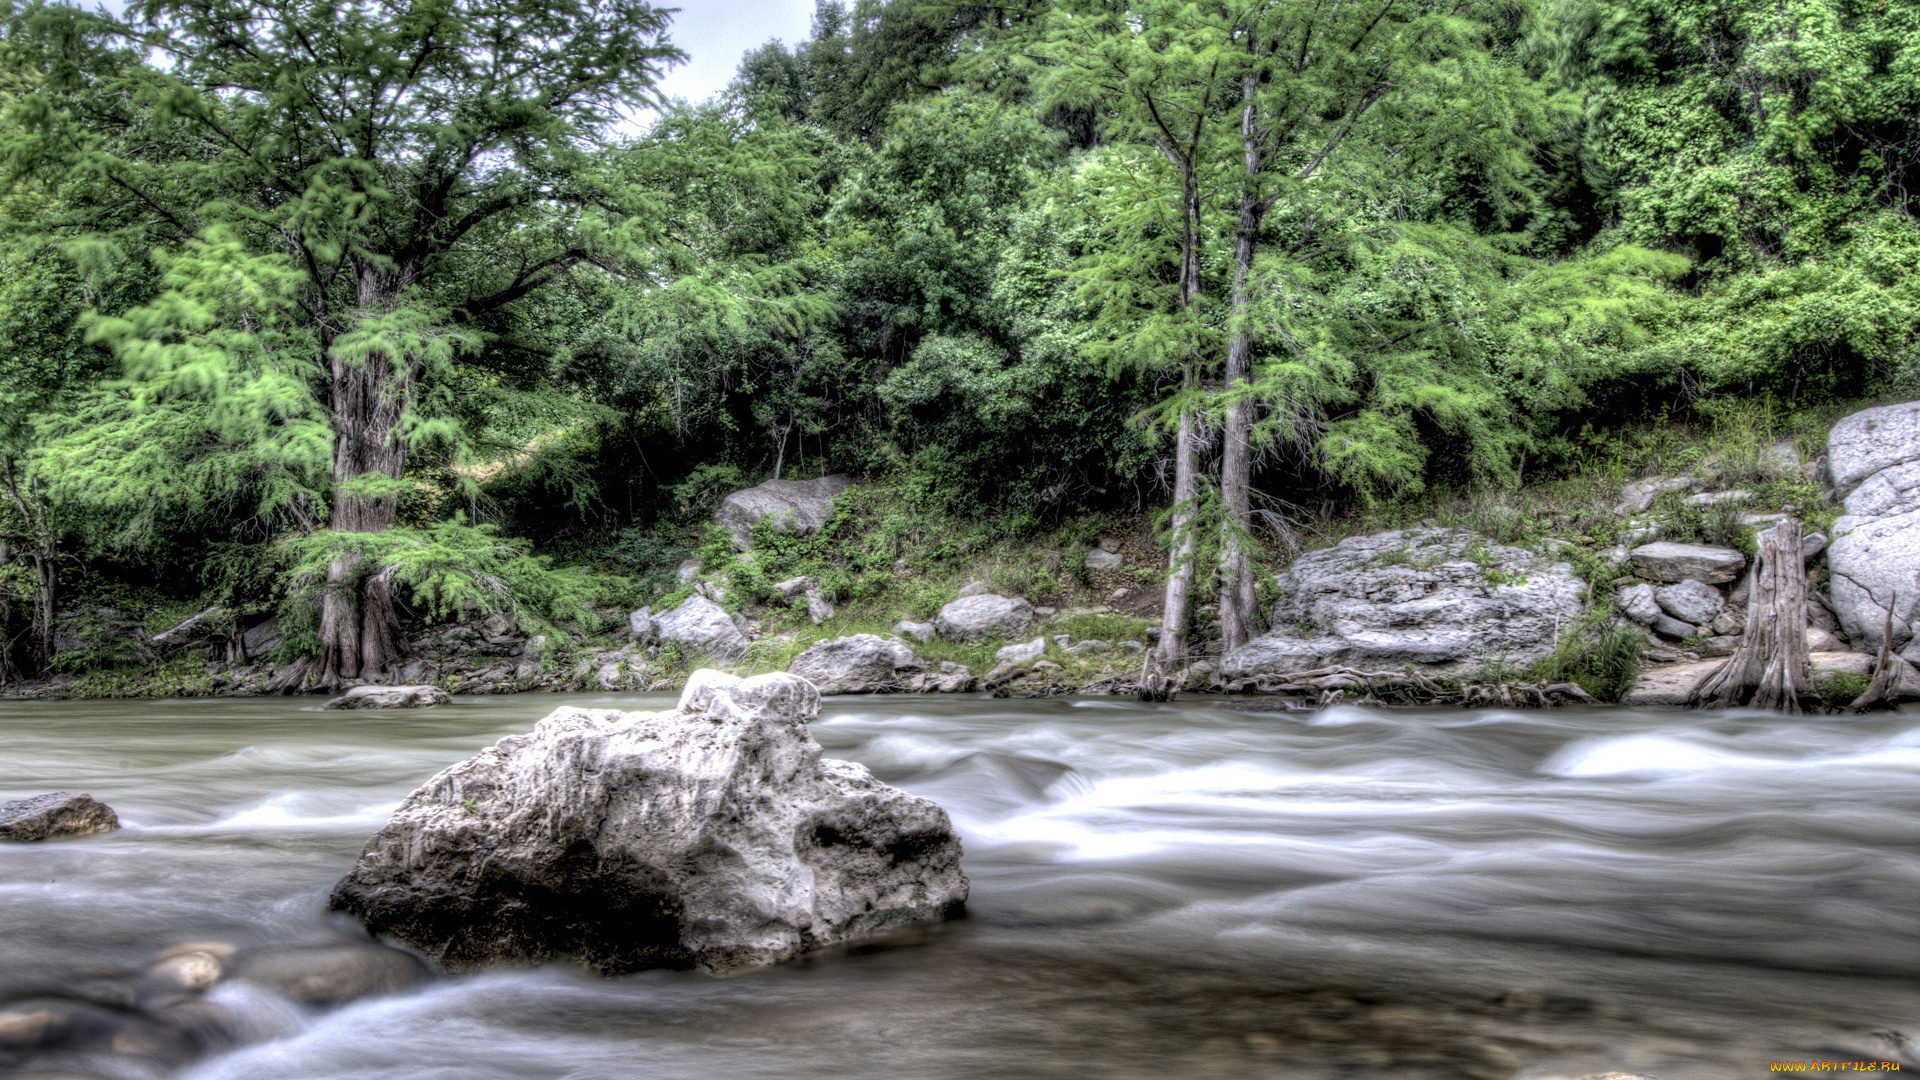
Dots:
{"x": 359, "y": 633}
{"x": 1172, "y": 647}
{"x": 1769, "y": 669}
{"x": 1237, "y": 601}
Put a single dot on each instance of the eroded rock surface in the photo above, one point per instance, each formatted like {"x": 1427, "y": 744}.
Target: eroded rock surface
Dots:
{"x": 983, "y": 615}
{"x": 860, "y": 664}
{"x": 390, "y": 697}
{"x": 702, "y": 624}
{"x": 1873, "y": 459}
{"x": 714, "y": 836}
{"x": 796, "y": 506}
{"x": 50, "y": 817}
{"x": 1444, "y": 599}
{"x": 1673, "y": 562}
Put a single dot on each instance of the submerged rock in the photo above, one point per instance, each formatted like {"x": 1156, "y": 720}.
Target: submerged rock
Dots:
{"x": 50, "y": 817}
{"x": 1441, "y": 598}
{"x": 390, "y": 697}
{"x": 714, "y": 836}
{"x": 795, "y": 506}
{"x": 860, "y": 664}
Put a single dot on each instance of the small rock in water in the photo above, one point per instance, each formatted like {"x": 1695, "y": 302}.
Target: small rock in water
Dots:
{"x": 714, "y": 836}
{"x": 331, "y": 974}
{"x": 390, "y": 697}
{"x": 49, "y": 817}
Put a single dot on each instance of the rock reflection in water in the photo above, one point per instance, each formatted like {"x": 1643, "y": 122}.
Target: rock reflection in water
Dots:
{"x": 1202, "y": 889}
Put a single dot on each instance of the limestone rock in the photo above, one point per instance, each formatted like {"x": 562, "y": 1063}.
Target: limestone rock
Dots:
{"x": 974, "y": 588}
{"x": 1638, "y": 497}
{"x": 703, "y": 625}
{"x": 1102, "y": 559}
{"x": 1819, "y": 641}
{"x": 1668, "y": 561}
{"x": 979, "y": 616}
{"x": 793, "y": 587}
{"x": 1673, "y": 628}
{"x": 390, "y": 697}
{"x": 860, "y": 664}
{"x": 1729, "y": 623}
{"x": 193, "y": 628}
{"x": 1637, "y": 603}
{"x": 1025, "y": 652}
{"x": 50, "y": 817}
{"x": 818, "y": 609}
{"x": 918, "y": 631}
{"x": 1693, "y": 602}
{"x": 1873, "y": 458}
{"x": 1443, "y": 598}
{"x": 1670, "y": 685}
{"x": 795, "y": 506}
{"x": 714, "y": 836}
{"x": 1872, "y": 441}
{"x": 640, "y": 625}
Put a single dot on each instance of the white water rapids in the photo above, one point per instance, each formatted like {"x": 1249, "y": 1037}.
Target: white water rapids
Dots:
{"x": 1203, "y": 889}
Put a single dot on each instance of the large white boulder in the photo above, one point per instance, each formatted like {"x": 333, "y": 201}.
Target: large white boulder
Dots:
{"x": 714, "y": 836}
{"x": 703, "y": 625}
{"x": 860, "y": 664}
{"x": 983, "y": 615}
{"x": 1692, "y": 602}
{"x": 795, "y": 506}
{"x": 1444, "y": 599}
{"x": 1873, "y": 459}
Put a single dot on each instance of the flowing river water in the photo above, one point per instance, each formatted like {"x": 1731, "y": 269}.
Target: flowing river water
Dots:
{"x": 1202, "y": 889}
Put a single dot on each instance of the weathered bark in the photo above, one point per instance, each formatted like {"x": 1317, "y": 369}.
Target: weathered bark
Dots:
{"x": 1894, "y": 680}
{"x": 1770, "y": 668}
{"x": 359, "y": 632}
{"x": 1237, "y": 602}
{"x": 1171, "y": 649}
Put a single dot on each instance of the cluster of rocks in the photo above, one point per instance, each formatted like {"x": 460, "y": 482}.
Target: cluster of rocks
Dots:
{"x": 1445, "y": 601}
{"x": 1686, "y": 594}
{"x": 714, "y": 836}
{"x": 153, "y": 1018}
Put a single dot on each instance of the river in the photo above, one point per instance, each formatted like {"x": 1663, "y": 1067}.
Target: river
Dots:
{"x": 1202, "y": 889}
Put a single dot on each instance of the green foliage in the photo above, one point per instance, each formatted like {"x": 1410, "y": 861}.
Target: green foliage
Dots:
{"x": 1599, "y": 654}
{"x": 1841, "y": 688}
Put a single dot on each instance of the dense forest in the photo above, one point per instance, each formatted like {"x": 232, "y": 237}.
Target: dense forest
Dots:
{"x": 377, "y": 314}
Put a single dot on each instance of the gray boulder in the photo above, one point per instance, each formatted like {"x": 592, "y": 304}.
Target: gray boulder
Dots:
{"x": 1637, "y": 602}
{"x": 860, "y": 664}
{"x": 1669, "y": 561}
{"x": 1102, "y": 559}
{"x": 1873, "y": 459}
{"x": 1692, "y": 602}
{"x": 795, "y": 506}
{"x": 918, "y": 631}
{"x": 640, "y": 625}
{"x": 1669, "y": 626}
{"x": 974, "y": 588}
{"x": 1638, "y": 497}
{"x": 1025, "y": 652}
{"x": 390, "y": 697}
{"x": 714, "y": 836}
{"x": 980, "y": 616}
{"x": 703, "y": 625}
{"x": 1872, "y": 441}
{"x": 1444, "y": 599}
{"x": 50, "y": 817}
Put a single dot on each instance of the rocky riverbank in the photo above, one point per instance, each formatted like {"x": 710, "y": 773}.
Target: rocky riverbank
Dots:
{"x": 1424, "y": 613}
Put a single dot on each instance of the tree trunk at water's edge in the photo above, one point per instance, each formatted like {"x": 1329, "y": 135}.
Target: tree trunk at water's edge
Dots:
{"x": 359, "y": 632}
{"x": 1770, "y": 668}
